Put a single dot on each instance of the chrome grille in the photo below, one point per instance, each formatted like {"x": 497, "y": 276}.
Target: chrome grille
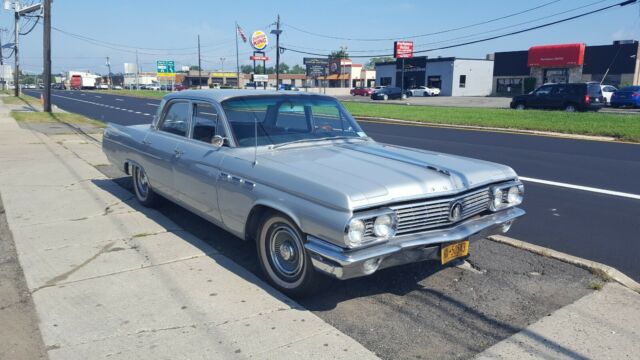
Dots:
{"x": 425, "y": 215}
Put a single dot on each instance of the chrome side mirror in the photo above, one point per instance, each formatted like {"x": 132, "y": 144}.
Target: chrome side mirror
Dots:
{"x": 217, "y": 141}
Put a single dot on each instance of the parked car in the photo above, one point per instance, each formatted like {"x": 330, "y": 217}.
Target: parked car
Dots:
{"x": 387, "y": 93}
{"x": 423, "y": 91}
{"x": 117, "y": 87}
{"x": 569, "y": 97}
{"x": 152, "y": 87}
{"x": 180, "y": 87}
{"x": 607, "y": 91}
{"x": 361, "y": 91}
{"x": 627, "y": 96}
{"x": 294, "y": 173}
{"x": 102, "y": 87}
{"x": 288, "y": 87}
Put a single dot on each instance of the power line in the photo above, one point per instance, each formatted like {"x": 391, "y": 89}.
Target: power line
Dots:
{"x": 467, "y": 36}
{"x": 623, "y": 3}
{"x": 427, "y": 34}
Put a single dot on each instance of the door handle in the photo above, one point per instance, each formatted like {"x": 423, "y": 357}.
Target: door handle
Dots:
{"x": 178, "y": 153}
{"x": 145, "y": 142}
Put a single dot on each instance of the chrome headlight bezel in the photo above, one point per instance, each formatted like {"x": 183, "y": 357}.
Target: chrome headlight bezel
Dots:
{"x": 506, "y": 195}
{"x": 370, "y": 235}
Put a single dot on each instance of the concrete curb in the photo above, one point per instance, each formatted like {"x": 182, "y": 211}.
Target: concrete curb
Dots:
{"x": 496, "y": 129}
{"x": 605, "y": 271}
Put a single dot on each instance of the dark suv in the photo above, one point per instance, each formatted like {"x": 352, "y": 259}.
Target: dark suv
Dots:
{"x": 569, "y": 97}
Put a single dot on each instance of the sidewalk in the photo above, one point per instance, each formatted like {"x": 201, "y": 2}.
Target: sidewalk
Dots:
{"x": 112, "y": 279}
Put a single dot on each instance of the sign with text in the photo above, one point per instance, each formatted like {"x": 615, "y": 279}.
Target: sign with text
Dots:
{"x": 259, "y": 57}
{"x": 259, "y": 40}
{"x": 403, "y": 49}
{"x": 260, "y": 77}
{"x": 166, "y": 68}
{"x": 316, "y": 67}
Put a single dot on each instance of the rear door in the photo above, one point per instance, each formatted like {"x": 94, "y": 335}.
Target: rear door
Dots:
{"x": 595, "y": 94}
{"x": 162, "y": 145}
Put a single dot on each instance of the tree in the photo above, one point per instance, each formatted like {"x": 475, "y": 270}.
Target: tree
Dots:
{"x": 194, "y": 67}
{"x": 246, "y": 69}
{"x": 340, "y": 54}
{"x": 297, "y": 69}
{"x": 372, "y": 62}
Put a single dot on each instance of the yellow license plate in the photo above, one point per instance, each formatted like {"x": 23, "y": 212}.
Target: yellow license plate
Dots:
{"x": 454, "y": 251}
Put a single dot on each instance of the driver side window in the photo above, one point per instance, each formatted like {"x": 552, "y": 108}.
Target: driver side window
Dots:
{"x": 544, "y": 90}
{"x": 206, "y": 123}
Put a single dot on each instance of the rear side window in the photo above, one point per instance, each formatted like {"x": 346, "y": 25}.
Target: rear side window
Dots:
{"x": 176, "y": 119}
{"x": 594, "y": 90}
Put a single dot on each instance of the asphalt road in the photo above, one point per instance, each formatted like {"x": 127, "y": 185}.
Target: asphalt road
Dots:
{"x": 592, "y": 224}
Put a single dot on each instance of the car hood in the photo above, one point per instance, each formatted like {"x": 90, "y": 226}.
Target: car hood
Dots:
{"x": 360, "y": 175}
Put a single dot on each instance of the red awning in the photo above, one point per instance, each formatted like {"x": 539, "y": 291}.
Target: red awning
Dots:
{"x": 556, "y": 55}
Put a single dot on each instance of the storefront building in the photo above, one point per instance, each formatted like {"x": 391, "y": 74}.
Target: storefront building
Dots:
{"x": 453, "y": 76}
{"x": 517, "y": 72}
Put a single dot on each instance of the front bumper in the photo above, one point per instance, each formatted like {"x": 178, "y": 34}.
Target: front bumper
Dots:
{"x": 345, "y": 264}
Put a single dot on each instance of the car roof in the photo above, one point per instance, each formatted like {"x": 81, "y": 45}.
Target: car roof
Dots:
{"x": 220, "y": 95}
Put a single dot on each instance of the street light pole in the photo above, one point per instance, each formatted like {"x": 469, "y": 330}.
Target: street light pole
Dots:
{"x": 199, "y": 65}
{"x": 16, "y": 70}
{"x": 222, "y": 63}
{"x": 109, "y": 75}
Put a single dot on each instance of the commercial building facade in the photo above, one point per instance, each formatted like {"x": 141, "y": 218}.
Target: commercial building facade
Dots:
{"x": 517, "y": 72}
{"x": 453, "y": 76}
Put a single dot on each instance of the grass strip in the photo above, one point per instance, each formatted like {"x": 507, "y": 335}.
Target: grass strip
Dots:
{"x": 44, "y": 117}
{"x": 623, "y": 127}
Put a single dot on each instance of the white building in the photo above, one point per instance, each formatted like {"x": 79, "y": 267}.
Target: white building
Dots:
{"x": 453, "y": 76}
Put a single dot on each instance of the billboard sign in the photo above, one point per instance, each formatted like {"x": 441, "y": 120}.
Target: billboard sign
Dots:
{"x": 259, "y": 40}
{"x": 316, "y": 67}
{"x": 166, "y": 68}
{"x": 403, "y": 49}
{"x": 130, "y": 68}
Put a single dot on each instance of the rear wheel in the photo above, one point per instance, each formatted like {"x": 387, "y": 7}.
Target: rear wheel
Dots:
{"x": 520, "y": 106}
{"x": 282, "y": 255}
{"x": 385, "y": 97}
{"x": 142, "y": 188}
{"x": 570, "y": 108}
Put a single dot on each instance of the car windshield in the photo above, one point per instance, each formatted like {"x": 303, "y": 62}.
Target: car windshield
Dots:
{"x": 282, "y": 119}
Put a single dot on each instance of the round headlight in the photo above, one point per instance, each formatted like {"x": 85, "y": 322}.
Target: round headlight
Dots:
{"x": 497, "y": 198}
{"x": 383, "y": 226}
{"x": 514, "y": 196}
{"x": 356, "y": 232}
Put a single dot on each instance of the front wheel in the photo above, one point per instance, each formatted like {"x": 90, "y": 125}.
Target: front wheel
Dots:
{"x": 520, "y": 106}
{"x": 570, "y": 108}
{"x": 385, "y": 97}
{"x": 282, "y": 255}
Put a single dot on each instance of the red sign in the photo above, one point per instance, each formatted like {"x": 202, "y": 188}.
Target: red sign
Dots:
{"x": 556, "y": 55}
{"x": 403, "y": 49}
{"x": 259, "y": 57}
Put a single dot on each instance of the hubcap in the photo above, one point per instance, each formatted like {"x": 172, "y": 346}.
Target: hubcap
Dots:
{"x": 286, "y": 253}
{"x": 142, "y": 184}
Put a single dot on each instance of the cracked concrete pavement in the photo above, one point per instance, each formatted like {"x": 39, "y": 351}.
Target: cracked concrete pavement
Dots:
{"x": 111, "y": 279}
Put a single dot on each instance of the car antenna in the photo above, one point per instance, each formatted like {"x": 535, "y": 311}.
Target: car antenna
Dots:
{"x": 255, "y": 136}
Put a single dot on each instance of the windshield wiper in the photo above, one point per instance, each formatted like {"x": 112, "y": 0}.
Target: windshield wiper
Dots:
{"x": 318, "y": 139}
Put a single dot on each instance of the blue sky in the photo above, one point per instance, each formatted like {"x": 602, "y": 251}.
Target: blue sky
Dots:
{"x": 154, "y": 26}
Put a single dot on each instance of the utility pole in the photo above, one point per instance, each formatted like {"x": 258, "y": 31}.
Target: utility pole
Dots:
{"x": 16, "y": 70}
{"x": 222, "y": 63}
{"x": 277, "y": 32}
{"x": 46, "y": 49}
{"x": 199, "y": 65}
{"x": 109, "y": 75}
{"x": 137, "y": 72}
{"x": 4, "y": 81}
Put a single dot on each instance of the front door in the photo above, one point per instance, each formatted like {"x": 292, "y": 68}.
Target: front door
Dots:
{"x": 162, "y": 146}
{"x": 197, "y": 172}
{"x": 540, "y": 98}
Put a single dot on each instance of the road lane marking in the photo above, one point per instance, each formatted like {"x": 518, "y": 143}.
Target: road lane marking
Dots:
{"x": 99, "y": 97}
{"x": 119, "y": 99}
{"x": 150, "y": 104}
{"x": 146, "y": 114}
{"x": 583, "y": 188}
{"x": 138, "y": 112}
